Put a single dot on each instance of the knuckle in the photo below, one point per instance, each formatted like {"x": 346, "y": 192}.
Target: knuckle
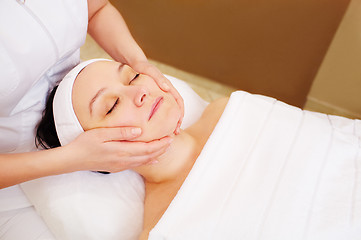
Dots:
{"x": 148, "y": 159}
{"x": 122, "y": 155}
{"x": 97, "y": 133}
{"x": 124, "y": 132}
{"x": 149, "y": 150}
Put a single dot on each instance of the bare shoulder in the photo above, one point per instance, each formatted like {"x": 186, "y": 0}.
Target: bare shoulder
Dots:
{"x": 215, "y": 109}
{"x": 219, "y": 103}
{"x": 209, "y": 119}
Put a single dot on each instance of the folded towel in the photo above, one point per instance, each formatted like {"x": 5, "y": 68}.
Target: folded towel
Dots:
{"x": 271, "y": 171}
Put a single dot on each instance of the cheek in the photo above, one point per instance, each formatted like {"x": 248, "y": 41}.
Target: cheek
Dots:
{"x": 127, "y": 118}
{"x": 163, "y": 125}
{"x": 123, "y": 118}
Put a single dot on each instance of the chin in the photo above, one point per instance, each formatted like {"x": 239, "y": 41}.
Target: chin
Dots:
{"x": 164, "y": 125}
{"x": 160, "y": 131}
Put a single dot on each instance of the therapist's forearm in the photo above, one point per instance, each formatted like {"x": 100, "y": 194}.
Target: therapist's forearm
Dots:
{"x": 22, "y": 167}
{"x": 110, "y": 31}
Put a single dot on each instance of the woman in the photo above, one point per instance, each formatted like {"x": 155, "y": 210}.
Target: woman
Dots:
{"x": 250, "y": 172}
{"x": 126, "y": 98}
{"x": 37, "y": 49}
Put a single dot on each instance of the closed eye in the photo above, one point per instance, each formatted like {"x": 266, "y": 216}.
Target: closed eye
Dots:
{"x": 135, "y": 77}
{"x": 113, "y": 107}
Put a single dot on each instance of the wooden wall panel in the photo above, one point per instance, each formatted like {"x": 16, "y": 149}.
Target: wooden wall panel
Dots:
{"x": 272, "y": 47}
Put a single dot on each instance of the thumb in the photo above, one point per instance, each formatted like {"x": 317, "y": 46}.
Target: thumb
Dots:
{"x": 162, "y": 82}
{"x": 119, "y": 133}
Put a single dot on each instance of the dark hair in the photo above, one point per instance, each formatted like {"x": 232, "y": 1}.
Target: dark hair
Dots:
{"x": 46, "y": 136}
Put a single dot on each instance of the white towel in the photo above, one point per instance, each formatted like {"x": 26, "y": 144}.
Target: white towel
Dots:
{"x": 271, "y": 171}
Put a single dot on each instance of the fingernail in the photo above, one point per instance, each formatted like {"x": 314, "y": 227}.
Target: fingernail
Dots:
{"x": 165, "y": 86}
{"x": 136, "y": 131}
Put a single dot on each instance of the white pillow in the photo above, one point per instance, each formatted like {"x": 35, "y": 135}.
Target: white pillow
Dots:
{"x": 87, "y": 205}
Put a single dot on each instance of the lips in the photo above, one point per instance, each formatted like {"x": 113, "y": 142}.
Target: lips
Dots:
{"x": 155, "y": 106}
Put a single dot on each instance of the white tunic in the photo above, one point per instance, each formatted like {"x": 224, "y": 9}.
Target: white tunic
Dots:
{"x": 39, "y": 44}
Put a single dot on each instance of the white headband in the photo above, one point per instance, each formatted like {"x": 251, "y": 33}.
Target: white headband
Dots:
{"x": 66, "y": 123}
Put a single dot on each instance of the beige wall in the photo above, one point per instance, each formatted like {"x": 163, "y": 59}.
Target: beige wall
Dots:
{"x": 272, "y": 47}
{"x": 337, "y": 86}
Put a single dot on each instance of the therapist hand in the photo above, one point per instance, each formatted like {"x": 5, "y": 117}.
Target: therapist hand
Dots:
{"x": 147, "y": 68}
{"x": 106, "y": 149}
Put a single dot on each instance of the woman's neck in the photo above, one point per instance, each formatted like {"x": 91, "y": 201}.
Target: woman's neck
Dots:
{"x": 163, "y": 180}
{"x": 175, "y": 163}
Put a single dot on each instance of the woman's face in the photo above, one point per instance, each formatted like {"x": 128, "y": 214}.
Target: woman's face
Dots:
{"x": 110, "y": 94}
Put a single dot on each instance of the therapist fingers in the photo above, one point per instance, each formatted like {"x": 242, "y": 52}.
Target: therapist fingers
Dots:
{"x": 116, "y": 133}
{"x": 166, "y": 86}
{"x": 126, "y": 155}
{"x": 104, "y": 149}
{"x": 147, "y": 68}
{"x": 179, "y": 100}
{"x": 163, "y": 81}
{"x": 140, "y": 153}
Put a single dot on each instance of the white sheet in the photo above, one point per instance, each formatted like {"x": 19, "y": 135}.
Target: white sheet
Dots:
{"x": 271, "y": 171}
{"x": 23, "y": 223}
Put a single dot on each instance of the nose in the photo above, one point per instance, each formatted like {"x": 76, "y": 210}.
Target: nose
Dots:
{"x": 140, "y": 96}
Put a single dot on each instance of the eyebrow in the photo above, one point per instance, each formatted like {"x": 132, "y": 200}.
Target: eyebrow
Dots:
{"x": 93, "y": 100}
{"x": 120, "y": 68}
